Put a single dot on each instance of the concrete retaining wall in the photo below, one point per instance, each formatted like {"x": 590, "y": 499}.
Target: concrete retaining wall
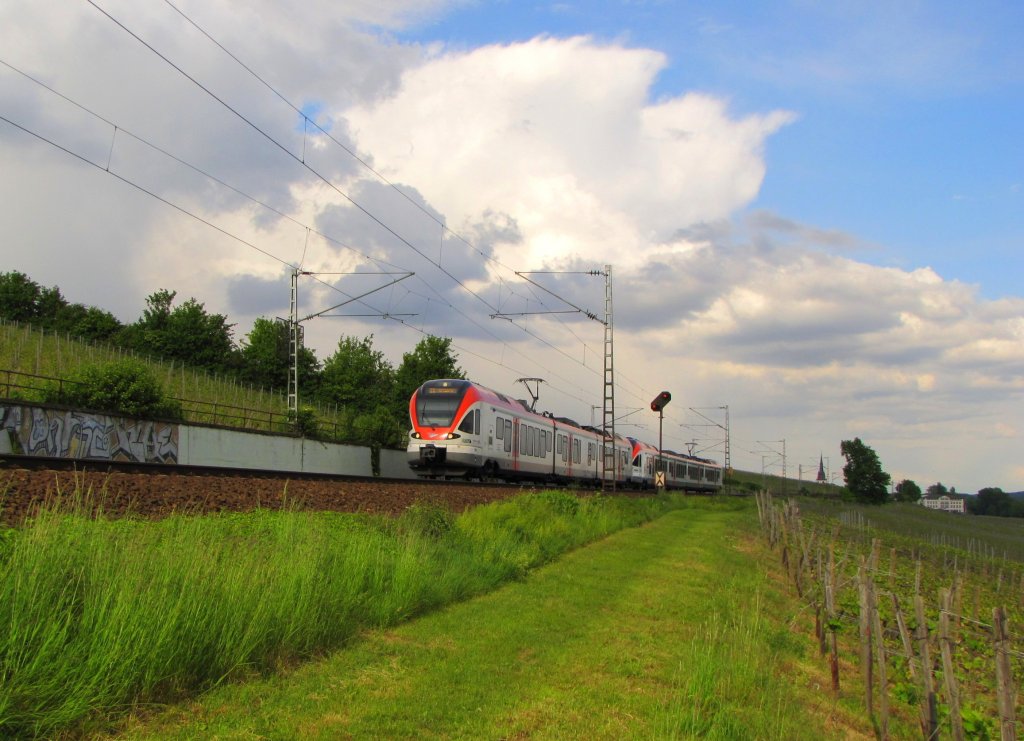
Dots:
{"x": 28, "y": 429}
{"x": 394, "y": 465}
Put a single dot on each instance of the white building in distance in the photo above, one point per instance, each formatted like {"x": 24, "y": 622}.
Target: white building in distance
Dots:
{"x": 944, "y": 503}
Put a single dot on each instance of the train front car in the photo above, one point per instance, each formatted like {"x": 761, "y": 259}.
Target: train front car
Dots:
{"x": 445, "y": 437}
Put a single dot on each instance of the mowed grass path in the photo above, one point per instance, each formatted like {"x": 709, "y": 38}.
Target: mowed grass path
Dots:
{"x": 670, "y": 630}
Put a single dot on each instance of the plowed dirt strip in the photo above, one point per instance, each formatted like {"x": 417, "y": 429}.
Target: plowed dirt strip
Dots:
{"x": 157, "y": 495}
{"x": 601, "y": 645}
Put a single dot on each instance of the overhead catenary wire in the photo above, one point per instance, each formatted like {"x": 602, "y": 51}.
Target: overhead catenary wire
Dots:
{"x": 170, "y": 155}
{"x": 230, "y": 235}
{"x": 443, "y": 225}
{"x": 360, "y": 207}
{"x": 362, "y": 161}
{"x": 288, "y": 152}
{"x": 319, "y": 175}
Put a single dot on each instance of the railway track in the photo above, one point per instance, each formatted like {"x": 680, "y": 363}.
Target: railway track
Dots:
{"x": 153, "y": 490}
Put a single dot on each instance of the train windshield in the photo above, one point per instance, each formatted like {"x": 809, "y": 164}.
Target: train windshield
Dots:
{"x": 438, "y": 401}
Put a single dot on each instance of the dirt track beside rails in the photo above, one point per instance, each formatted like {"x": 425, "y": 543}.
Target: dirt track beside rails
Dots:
{"x": 158, "y": 494}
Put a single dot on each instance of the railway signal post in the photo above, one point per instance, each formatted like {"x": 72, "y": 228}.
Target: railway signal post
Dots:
{"x": 658, "y": 405}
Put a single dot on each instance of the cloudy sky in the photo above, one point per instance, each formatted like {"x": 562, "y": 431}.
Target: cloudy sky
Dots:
{"x": 813, "y": 212}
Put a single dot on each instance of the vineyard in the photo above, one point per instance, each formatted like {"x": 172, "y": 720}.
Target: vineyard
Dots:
{"x": 31, "y": 359}
{"x": 926, "y": 615}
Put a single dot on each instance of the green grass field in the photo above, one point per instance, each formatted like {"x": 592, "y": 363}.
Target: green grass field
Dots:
{"x": 103, "y": 615}
{"x": 671, "y": 630}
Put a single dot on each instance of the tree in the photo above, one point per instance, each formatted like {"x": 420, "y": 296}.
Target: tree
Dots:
{"x": 863, "y": 473}
{"x": 907, "y": 491}
{"x": 187, "y": 332}
{"x": 357, "y": 377}
{"x": 19, "y": 297}
{"x": 991, "y": 501}
{"x": 937, "y": 490}
{"x": 431, "y": 358}
{"x": 266, "y": 358}
{"x": 89, "y": 322}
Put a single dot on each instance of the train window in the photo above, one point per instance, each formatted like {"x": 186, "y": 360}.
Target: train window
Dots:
{"x": 499, "y": 429}
{"x": 508, "y": 435}
{"x": 563, "y": 447}
{"x": 522, "y": 439}
{"x": 437, "y": 402}
{"x": 531, "y": 440}
{"x": 467, "y": 424}
{"x": 577, "y": 455}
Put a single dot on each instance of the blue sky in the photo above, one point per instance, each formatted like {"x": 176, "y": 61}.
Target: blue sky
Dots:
{"x": 910, "y": 114}
{"x": 814, "y": 211}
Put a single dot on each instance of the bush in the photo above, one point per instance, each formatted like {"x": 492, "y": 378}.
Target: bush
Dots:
{"x": 122, "y": 387}
{"x": 305, "y": 422}
{"x": 432, "y": 521}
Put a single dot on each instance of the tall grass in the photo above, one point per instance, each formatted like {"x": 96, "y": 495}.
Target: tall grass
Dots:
{"x": 98, "y": 616}
{"x": 726, "y": 686}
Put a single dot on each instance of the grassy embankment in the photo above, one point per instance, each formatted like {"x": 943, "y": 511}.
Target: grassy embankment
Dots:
{"x": 101, "y": 615}
{"x": 210, "y": 398}
{"x": 672, "y": 630}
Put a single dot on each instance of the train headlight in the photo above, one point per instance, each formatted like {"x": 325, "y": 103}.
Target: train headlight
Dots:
{"x": 453, "y": 436}
{"x": 415, "y": 435}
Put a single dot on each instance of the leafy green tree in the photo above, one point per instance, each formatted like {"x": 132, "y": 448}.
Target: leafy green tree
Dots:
{"x": 89, "y": 322}
{"x": 431, "y": 358}
{"x": 357, "y": 377}
{"x": 266, "y": 358}
{"x": 187, "y": 332}
{"x": 380, "y": 429}
{"x": 121, "y": 387}
{"x": 937, "y": 490}
{"x": 907, "y": 491}
{"x": 865, "y": 479}
{"x": 49, "y": 306}
{"x": 19, "y": 297}
{"x": 991, "y": 501}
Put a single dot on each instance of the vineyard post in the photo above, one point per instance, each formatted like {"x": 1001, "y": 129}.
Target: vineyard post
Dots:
{"x": 948, "y": 670}
{"x": 1004, "y": 675}
{"x": 865, "y": 636}
{"x": 883, "y": 682}
{"x": 908, "y": 647}
{"x": 819, "y": 598}
{"x": 830, "y": 611}
{"x": 929, "y": 707}
{"x": 957, "y": 601}
{"x": 892, "y": 569}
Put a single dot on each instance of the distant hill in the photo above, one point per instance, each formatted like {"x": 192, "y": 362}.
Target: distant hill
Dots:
{"x": 1016, "y": 494}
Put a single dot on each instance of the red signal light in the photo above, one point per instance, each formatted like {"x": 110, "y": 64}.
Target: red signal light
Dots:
{"x": 660, "y": 401}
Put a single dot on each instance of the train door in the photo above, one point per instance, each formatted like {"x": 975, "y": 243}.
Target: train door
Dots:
{"x": 516, "y": 432}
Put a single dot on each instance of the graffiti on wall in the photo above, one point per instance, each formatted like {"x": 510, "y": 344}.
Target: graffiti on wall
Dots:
{"x": 59, "y": 433}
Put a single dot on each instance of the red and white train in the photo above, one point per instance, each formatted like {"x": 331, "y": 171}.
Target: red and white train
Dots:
{"x": 462, "y": 429}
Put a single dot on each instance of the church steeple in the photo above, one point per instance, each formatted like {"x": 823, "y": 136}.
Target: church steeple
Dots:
{"x": 821, "y": 470}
